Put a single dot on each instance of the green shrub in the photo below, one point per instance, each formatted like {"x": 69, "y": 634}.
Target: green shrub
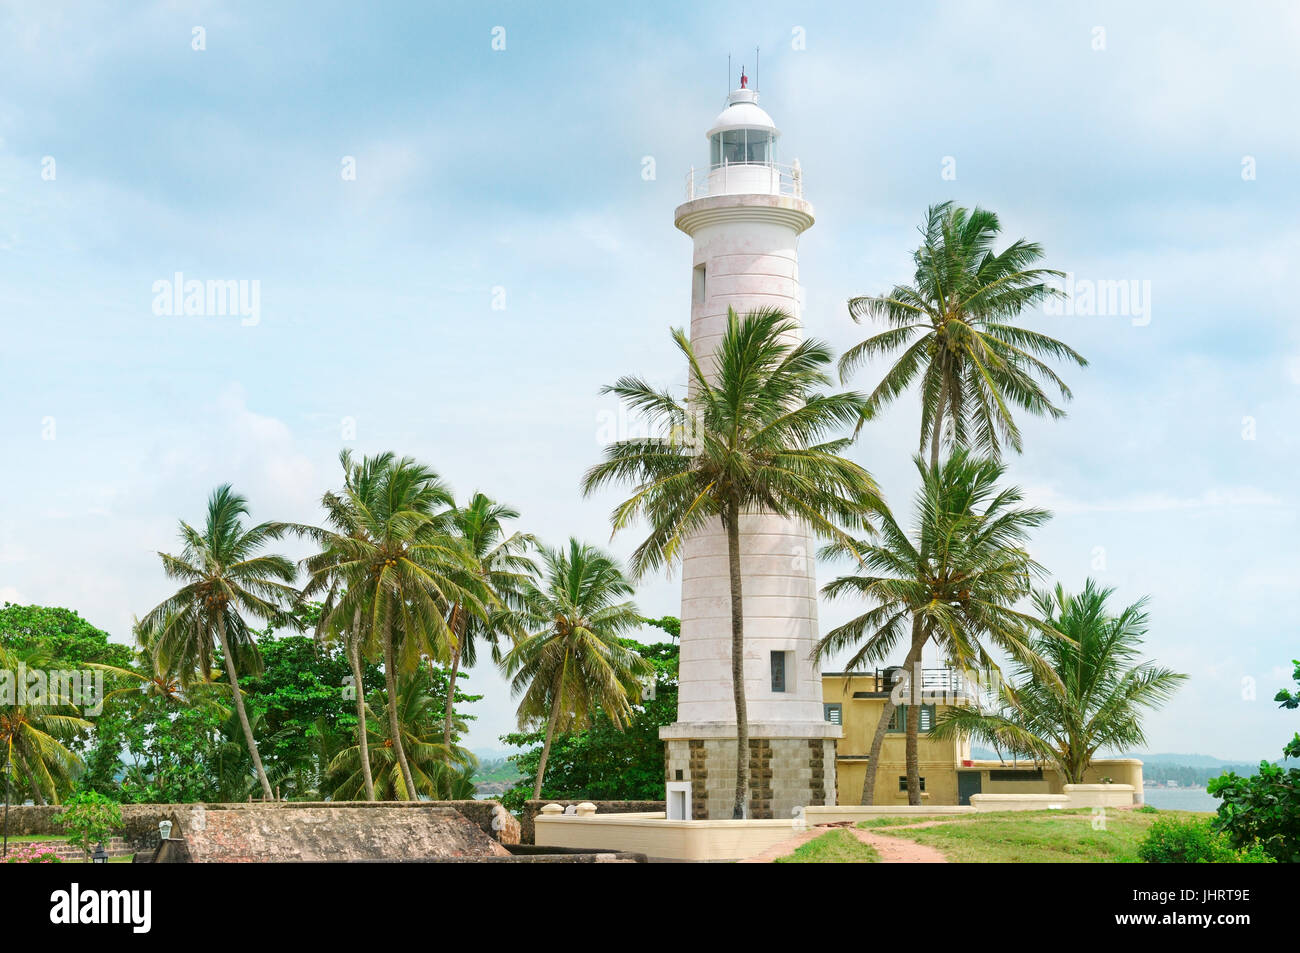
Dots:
{"x": 1261, "y": 809}
{"x": 1146, "y": 809}
{"x": 1172, "y": 840}
{"x": 91, "y": 818}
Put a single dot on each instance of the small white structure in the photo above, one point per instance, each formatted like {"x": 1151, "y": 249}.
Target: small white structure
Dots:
{"x": 745, "y": 214}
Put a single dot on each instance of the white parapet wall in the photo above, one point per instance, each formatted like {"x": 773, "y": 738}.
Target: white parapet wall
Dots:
{"x": 844, "y": 813}
{"x": 988, "y": 803}
{"x": 654, "y": 835}
{"x": 1101, "y": 795}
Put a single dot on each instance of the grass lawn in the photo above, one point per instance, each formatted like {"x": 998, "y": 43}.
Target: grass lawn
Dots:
{"x": 1047, "y": 837}
{"x": 834, "y": 847}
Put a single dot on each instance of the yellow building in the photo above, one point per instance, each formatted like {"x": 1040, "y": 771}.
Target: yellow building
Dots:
{"x": 949, "y": 775}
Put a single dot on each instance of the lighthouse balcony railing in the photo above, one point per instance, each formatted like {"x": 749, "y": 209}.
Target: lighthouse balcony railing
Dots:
{"x": 730, "y": 178}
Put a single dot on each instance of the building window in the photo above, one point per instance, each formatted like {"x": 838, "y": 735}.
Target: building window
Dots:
{"x": 902, "y": 783}
{"x": 778, "y": 671}
{"x": 898, "y": 722}
{"x": 697, "y": 285}
{"x": 834, "y": 713}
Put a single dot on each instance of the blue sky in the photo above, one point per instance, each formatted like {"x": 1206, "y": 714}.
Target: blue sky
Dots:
{"x": 521, "y": 170}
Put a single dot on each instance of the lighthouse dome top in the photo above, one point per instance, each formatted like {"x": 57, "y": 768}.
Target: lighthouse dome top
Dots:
{"x": 743, "y": 112}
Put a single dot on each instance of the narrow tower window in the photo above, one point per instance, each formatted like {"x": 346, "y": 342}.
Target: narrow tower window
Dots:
{"x": 697, "y": 285}
{"x": 778, "y": 671}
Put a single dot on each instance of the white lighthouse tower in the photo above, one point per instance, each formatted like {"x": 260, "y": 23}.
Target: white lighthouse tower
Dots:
{"x": 745, "y": 214}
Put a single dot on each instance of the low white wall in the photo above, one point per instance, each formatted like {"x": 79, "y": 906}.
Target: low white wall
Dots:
{"x": 986, "y": 803}
{"x": 838, "y": 814}
{"x": 656, "y": 836}
{"x": 1101, "y": 795}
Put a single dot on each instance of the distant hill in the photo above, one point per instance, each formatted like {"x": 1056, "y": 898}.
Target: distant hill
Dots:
{"x": 1191, "y": 760}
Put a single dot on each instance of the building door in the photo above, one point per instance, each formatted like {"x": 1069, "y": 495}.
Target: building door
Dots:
{"x": 968, "y": 783}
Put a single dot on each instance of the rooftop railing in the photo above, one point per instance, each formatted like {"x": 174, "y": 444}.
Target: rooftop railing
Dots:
{"x": 731, "y": 178}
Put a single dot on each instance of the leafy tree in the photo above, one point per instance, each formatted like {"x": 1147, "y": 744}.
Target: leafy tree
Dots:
{"x": 90, "y": 819}
{"x": 299, "y": 698}
{"x": 670, "y": 624}
{"x": 952, "y": 325}
{"x": 604, "y": 761}
{"x": 954, "y": 581}
{"x": 1097, "y": 697}
{"x": 224, "y": 577}
{"x": 1264, "y": 808}
{"x": 574, "y": 663}
{"x": 754, "y": 435}
{"x": 59, "y": 635}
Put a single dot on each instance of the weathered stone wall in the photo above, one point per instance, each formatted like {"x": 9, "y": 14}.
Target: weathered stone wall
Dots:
{"x": 141, "y": 820}
{"x": 785, "y": 774}
{"x": 533, "y": 808}
{"x": 330, "y": 832}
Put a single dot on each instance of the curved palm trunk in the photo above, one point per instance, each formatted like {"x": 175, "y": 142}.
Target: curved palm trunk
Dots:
{"x": 550, "y": 736}
{"x": 732, "y": 519}
{"x": 363, "y": 740}
{"x": 394, "y": 725}
{"x": 458, "y": 630}
{"x": 267, "y": 793}
{"x": 887, "y": 713}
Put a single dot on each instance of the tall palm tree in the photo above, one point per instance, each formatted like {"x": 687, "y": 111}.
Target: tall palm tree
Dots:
{"x": 360, "y": 481}
{"x": 952, "y": 325}
{"x": 754, "y": 435}
{"x": 500, "y": 568}
{"x": 433, "y": 765}
{"x": 224, "y": 577}
{"x": 1097, "y": 697}
{"x": 953, "y": 581}
{"x": 572, "y": 662}
{"x": 401, "y": 569}
{"x": 34, "y": 737}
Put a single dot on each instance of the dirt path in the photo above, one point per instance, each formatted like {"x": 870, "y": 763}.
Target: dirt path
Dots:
{"x": 892, "y": 850}
{"x": 900, "y": 850}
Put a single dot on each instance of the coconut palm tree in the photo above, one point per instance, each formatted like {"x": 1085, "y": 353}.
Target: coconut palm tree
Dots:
{"x": 501, "y": 567}
{"x": 572, "y": 662}
{"x": 1096, "y": 698}
{"x": 433, "y": 765}
{"x": 34, "y": 737}
{"x": 224, "y": 576}
{"x": 754, "y": 435}
{"x": 402, "y": 570}
{"x": 954, "y": 581}
{"x": 360, "y": 480}
{"x": 952, "y": 326}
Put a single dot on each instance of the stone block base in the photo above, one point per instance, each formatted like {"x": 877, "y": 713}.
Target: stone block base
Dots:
{"x": 786, "y": 775}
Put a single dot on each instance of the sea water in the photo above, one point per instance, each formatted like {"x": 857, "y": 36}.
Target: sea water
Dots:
{"x": 1180, "y": 799}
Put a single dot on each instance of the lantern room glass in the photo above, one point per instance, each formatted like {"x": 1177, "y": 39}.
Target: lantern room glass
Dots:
{"x": 742, "y": 146}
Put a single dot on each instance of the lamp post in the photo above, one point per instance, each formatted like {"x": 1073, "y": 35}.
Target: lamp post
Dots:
{"x": 8, "y": 774}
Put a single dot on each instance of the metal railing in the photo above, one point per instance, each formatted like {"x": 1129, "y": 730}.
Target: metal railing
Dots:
{"x": 945, "y": 680}
{"x": 731, "y": 178}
